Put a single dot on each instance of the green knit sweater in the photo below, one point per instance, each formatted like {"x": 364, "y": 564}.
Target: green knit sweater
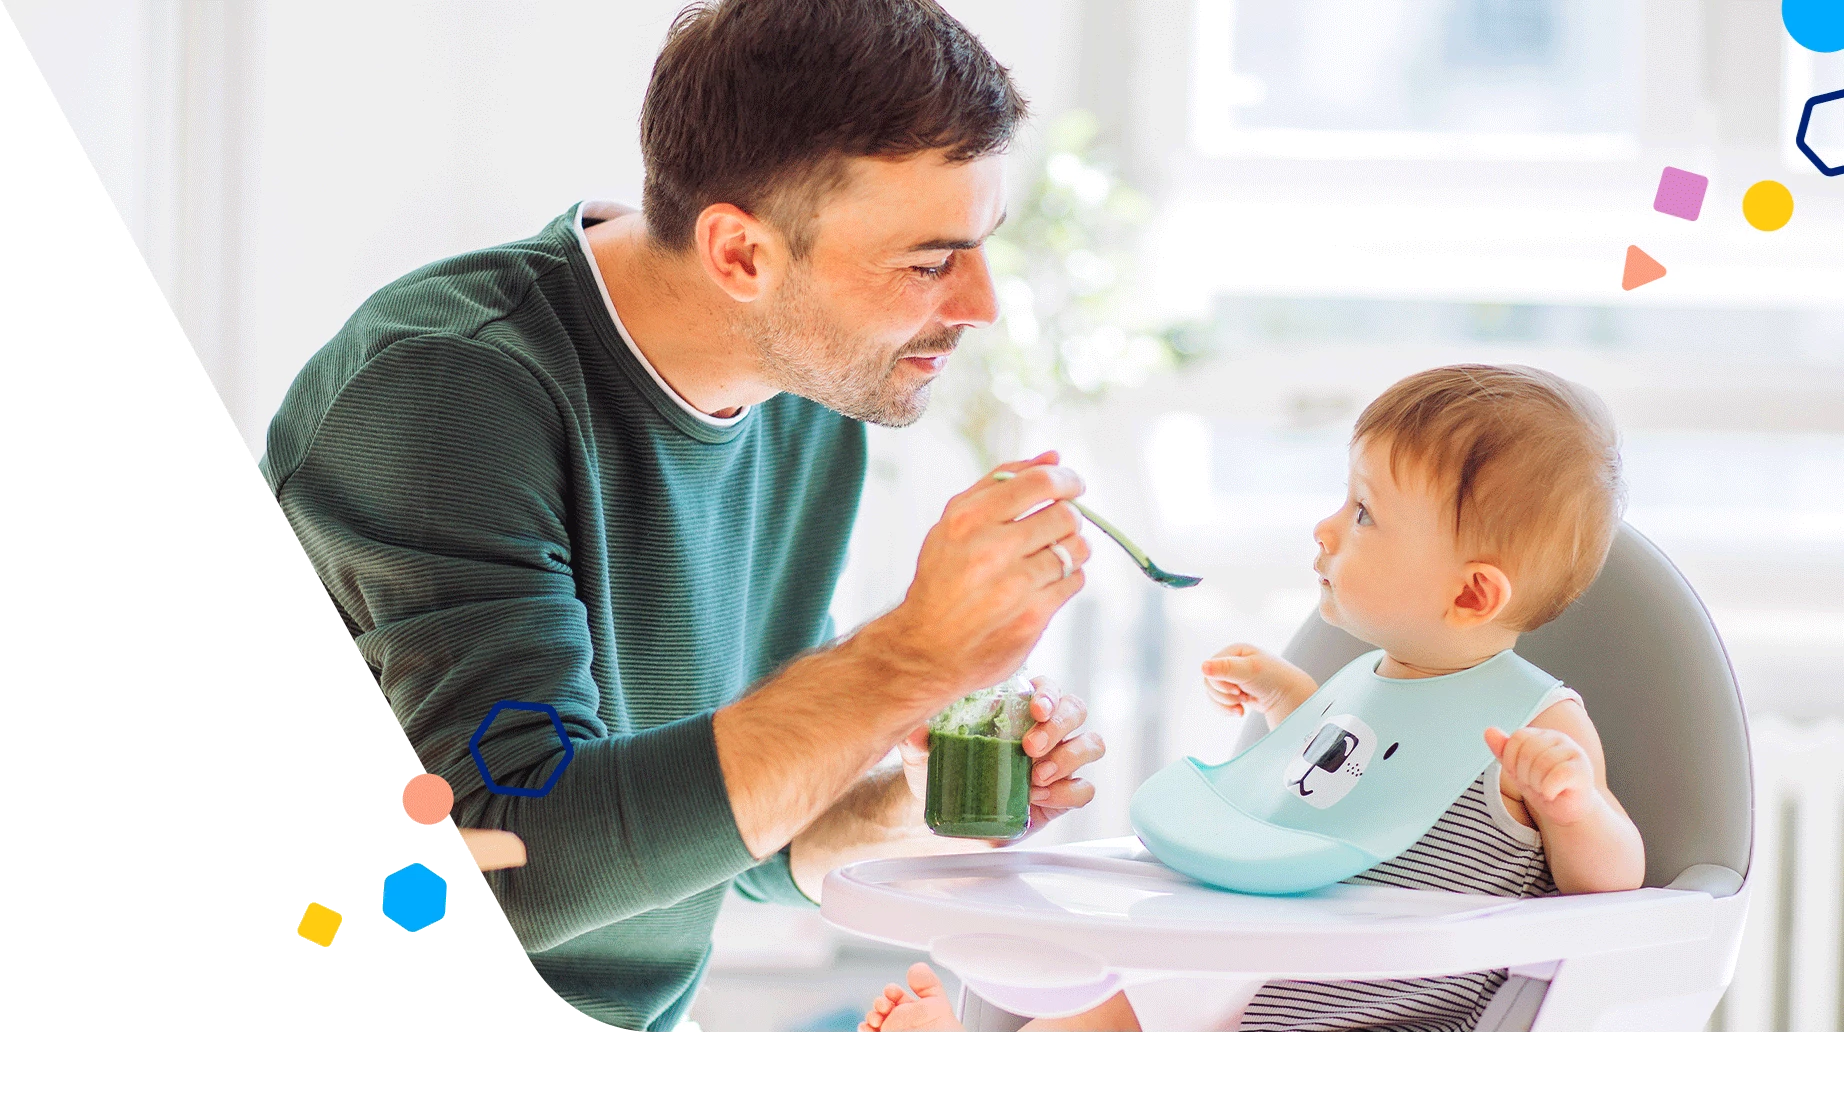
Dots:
{"x": 504, "y": 504}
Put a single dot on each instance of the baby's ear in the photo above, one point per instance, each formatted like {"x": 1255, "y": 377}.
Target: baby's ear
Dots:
{"x": 1485, "y": 592}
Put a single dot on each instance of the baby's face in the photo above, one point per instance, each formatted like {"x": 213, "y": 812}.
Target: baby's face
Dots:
{"x": 1388, "y": 564}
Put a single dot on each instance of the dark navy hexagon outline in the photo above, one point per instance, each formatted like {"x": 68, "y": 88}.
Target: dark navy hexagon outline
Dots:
{"x": 1805, "y": 119}
{"x": 480, "y": 762}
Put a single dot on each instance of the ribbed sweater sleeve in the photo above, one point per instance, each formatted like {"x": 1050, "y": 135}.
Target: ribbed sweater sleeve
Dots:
{"x": 432, "y": 499}
{"x": 773, "y": 882}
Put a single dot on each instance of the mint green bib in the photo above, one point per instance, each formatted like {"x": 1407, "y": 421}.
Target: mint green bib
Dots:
{"x": 1352, "y": 778}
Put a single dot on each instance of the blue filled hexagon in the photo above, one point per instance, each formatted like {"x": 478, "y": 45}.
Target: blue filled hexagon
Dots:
{"x": 414, "y": 897}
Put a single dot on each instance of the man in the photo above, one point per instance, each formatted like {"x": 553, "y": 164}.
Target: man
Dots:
{"x": 613, "y": 469}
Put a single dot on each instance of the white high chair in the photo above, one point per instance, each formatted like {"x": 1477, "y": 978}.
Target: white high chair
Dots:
{"x": 1054, "y": 932}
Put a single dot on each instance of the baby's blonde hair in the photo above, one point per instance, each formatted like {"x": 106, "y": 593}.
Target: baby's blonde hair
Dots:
{"x": 1529, "y": 464}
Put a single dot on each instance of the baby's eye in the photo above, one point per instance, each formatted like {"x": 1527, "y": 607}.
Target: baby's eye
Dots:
{"x": 1363, "y": 515}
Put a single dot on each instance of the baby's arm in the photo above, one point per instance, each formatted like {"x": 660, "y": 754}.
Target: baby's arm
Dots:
{"x": 1555, "y": 771}
{"x": 1241, "y": 677}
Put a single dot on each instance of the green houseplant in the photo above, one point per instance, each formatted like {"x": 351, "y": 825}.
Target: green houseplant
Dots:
{"x": 1067, "y": 332}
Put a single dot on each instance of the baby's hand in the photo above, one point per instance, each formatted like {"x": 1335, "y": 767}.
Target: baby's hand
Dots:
{"x": 1550, "y": 769}
{"x": 1242, "y": 677}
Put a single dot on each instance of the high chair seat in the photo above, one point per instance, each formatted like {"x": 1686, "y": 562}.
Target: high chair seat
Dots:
{"x": 1053, "y": 932}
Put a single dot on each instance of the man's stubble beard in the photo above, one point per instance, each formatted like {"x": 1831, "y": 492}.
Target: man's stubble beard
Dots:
{"x": 804, "y": 352}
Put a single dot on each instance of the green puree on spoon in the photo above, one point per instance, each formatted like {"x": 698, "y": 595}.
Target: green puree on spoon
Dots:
{"x": 1153, "y": 571}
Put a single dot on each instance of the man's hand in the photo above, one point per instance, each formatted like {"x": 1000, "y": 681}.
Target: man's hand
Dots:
{"x": 1241, "y": 678}
{"x": 1550, "y": 771}
{"x": 1055, "y": 754}
{"x": 987, "y": 581}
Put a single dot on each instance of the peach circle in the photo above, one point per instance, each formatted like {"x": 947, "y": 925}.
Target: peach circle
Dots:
{"x": 427, "y": 798}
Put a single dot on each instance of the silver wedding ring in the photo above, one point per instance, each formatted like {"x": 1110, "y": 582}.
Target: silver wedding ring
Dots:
{"x": 1063, "y": 557}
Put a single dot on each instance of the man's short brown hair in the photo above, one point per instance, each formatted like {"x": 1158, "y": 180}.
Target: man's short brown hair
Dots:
{"x": 1529, "y": 464}
{"x": 757, "y": 103}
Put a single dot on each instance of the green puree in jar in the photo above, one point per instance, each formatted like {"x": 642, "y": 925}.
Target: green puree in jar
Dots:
{"x": 979, "y": 779}
{"x": 978, "y": 787}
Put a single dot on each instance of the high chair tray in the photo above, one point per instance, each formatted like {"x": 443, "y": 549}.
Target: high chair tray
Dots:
{"x": 1112, "y": 904}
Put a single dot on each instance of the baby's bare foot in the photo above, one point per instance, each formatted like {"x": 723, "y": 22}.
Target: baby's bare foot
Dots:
{"x": 927, "y": 1010}
{"x": 893, "y": 996}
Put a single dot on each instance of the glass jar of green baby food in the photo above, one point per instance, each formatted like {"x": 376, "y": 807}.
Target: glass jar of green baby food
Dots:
{"x": 979, "y": 778}
{"x": 978, "y": 787}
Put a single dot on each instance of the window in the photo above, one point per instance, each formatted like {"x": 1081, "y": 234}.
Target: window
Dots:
{"x": 1434, "y": 79}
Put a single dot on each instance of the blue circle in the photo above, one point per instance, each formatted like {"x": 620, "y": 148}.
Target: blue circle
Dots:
{"x": 1817, "y": 25}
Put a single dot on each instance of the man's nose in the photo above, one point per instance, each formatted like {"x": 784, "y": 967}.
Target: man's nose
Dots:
{"x": 971, "y": 302}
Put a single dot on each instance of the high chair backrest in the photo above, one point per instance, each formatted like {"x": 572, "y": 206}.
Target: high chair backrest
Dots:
{"x": 1652, "y": 672}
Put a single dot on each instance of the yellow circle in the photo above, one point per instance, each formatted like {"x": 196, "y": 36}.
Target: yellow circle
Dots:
{"x": 1767, "y": 205}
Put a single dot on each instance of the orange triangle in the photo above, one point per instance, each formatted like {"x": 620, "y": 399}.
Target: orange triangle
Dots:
{"x": 1640, "y": 269}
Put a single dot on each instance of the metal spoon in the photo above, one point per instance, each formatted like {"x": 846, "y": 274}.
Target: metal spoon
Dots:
{"x": 1153, "y": 571}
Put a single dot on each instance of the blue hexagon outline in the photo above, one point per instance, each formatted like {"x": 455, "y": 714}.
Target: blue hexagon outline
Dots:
{"x": 1805, "y": 119}
{"x": 416, "y": 871}
{"x": 480, "y": 762}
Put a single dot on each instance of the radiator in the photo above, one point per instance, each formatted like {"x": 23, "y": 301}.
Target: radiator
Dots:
{"x": 1789, "y": 975}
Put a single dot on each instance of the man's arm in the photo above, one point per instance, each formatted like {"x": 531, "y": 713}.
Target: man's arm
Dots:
{"x": 431, "y": 499}
{"x": 985, "y": 588}
{"x": 876, "y": 817}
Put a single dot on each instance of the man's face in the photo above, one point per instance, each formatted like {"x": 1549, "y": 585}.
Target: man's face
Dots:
{"x": 896, "y": 271}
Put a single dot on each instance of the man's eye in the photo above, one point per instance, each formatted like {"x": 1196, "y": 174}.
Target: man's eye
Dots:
{"x": 1363, "y": 515}
{"x": 932, "y": 272}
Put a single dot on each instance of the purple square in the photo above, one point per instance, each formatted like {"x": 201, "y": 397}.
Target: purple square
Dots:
{"x": 1680, "y": 193}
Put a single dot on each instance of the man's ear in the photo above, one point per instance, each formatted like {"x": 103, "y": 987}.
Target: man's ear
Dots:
{"x": 1485, "y": 591}
{"x": 741, "y": 254}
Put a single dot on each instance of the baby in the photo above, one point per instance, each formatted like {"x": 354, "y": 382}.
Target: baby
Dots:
{"x": 1482, "y": 502}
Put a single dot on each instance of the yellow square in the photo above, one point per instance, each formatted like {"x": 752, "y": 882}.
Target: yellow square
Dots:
{"x": 319, "y": 924}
